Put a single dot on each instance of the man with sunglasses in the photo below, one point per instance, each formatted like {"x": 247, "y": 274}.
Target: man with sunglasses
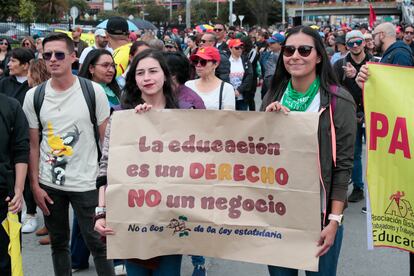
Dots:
{"x": 220, "y": 31}
{"x": 101, "y": 42}
{"x": 409, "y": 36}
{"x": 64, "y": 162}
{"x": 346, "y": 69}
{"x": 223, "y": 70}
{"x": 274, "y": 42}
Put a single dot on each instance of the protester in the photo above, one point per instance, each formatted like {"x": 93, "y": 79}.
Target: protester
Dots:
{"x": 274, "y": 42}
{"x": 14, "y": 156}
{"x": 304, "y": 81}
{"x": 241, "y": 73}
{"x": 216, "y": 94}
{"x": 28, "y": 43}
{"x": 192, "y": 45}
{"x": 170, "y": 46}
{"x": 39, "y": 48}
{"x": 63, "y": 167}
{"x": 118, "y": 31}
{"x": 101, "y": 42}
{"x": 148, "y": 86}
{"x": 36, "y": 75}
{"x": 80, "y": 45}
{"x": 250, "y": 51}
{"x": 346, "y": 70}
{"x": 5, "y": 50}
{"x": 179, "y": 67}
{"x": 340, "y": 47}
{"x": 369, "y": 44}
{"x": 221, "y": 44}
{"x": 223, "y": 70}
{"x": 409, "y": 36}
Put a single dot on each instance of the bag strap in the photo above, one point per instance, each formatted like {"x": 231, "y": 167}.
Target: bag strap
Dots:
{"x": 39, "y": 96}
{"x": 89, "y": 95}
{"x": 221, "y": 95}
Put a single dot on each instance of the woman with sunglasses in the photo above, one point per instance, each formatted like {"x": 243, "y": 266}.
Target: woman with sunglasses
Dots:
{"x": 305, "y": 82}
{"x": 99, "y": 67}
{"x": 148, "y": 86}
{"x": 215, "y": 93}
{"x": 29, "y": 43}
{"x": 5, "y": 51}
{"x": 241, "y": 73}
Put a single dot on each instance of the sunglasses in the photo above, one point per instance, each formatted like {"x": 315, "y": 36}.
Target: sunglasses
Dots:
{"x": 107, "y": 65}
{"x": 58, "y": 55}
{"x": 303, "y": 50}
{"x": 202, "y": 62}
{"x": 217, "y": 30}
{"x": 204, "y": 41}
{"x": 409, "y": 33}
{"x": 4, "y": 43}
{"x": 169, "y": 47}
{"x": 238, "y": 47}
{"x": 351, "y": 44}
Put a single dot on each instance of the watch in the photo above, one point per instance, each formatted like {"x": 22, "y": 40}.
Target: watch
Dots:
{"x": 337, "y": 218}
{"x": 100, "y": 210}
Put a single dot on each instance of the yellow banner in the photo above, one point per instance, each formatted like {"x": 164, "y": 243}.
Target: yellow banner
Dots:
{"x": 389, "y": 102}
{"x": 88, "y": 38}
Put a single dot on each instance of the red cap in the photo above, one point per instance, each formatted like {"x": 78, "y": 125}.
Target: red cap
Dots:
{"x": 207, "y": 53}
{"x": 235, "y": 43}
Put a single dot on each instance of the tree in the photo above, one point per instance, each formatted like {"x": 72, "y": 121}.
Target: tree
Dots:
{"x": 26, "y": 11}
{"x": 8, "y": 9}
{"x": 156, "y": 13}
{"x": 80, "y": 4}
{"x": 127, "y": 7}
{"x": 51, "y": 10}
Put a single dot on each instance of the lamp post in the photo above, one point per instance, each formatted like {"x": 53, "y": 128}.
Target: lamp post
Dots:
{"x": 230, "y": 12}
{"x": 188, "y": 14}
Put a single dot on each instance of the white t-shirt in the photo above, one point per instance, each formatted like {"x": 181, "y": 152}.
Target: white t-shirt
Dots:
{"x": 236, "y": 74}
{"x": 211, "y": 99}
{"x": 68, "y": 152}
{"x": 86, "y": 51}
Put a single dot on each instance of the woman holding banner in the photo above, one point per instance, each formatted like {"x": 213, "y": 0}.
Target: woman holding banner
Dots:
{"x": 305, "y": 82}
{"x": 148, "y": 86}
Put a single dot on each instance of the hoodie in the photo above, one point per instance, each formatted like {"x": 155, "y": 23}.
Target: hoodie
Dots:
{"x": 398, "y": 53}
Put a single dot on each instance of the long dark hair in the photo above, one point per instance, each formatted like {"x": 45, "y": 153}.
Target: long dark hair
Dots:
{"x": 9, "y": 48}
{"x": 132, "y": 95}
{"x": 91, "y": 59}
{"x": 323, "y": 69}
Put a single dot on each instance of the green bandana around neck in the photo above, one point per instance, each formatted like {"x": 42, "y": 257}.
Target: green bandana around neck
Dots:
{"x": 297, "y": 101}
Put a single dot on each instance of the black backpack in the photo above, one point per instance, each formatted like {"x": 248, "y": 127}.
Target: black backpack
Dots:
{"x": 88, "y": 94}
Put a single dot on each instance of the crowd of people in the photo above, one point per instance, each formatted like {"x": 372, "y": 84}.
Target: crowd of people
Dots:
{"x": 52, "y": 157}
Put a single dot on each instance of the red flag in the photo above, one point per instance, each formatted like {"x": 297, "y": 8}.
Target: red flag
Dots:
{"x": 372, "y": 16}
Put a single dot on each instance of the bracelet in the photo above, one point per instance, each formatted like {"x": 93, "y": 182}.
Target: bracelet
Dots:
{"x": 99, "y": 216}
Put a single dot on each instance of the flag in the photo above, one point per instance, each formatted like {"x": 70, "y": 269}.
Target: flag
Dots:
{"x": 12, "y": 227}
{"x": 372, "y": 16}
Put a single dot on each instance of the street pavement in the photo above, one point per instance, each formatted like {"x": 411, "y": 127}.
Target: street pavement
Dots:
{"x": 355, "y": 258}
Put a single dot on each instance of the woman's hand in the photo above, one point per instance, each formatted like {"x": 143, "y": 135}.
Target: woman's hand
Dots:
{"x": 362, "y": 76}
{"x": 327, "y": 238}
{"x": 142, "y": 108}
{"x": 15, "y": 204}
{"x": 276, "y": 106}
{"x": 100, "y": 227}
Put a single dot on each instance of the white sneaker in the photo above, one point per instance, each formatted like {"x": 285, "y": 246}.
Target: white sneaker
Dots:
{"x": 29, "y": 224}
{"x": 120, "y": 270}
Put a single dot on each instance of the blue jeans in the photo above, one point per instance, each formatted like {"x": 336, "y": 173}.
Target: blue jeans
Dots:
{"x": 327, "y": 263}
{"x": 78, "y": 249}
{"x": 357, "y": 170}
{"x": 198, "y": 260}
{"x": 169, "y": 266}
{"x": 57, "y": 223}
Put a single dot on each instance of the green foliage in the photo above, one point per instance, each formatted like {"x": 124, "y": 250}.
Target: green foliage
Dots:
{"x": 156, "y": 13}
{"x": 26, "y": 11}
{"x": 80, "y": 4}
{"x": 8, "y": 9}
{"x": 107, "y": 14}
{"x": 51, "y": 10}
{"x": 127, "y": 7}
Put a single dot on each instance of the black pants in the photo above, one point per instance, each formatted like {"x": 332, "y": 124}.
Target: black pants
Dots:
{"x": 5, "y": 264}
{"x": 28, "y": 198}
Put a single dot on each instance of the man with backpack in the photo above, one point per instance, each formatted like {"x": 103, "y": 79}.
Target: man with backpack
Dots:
{"x": 346, "y": 69}
{"x": 64, "y": 159}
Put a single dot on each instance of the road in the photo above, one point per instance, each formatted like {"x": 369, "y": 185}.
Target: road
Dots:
{"x": 354, "y": 260}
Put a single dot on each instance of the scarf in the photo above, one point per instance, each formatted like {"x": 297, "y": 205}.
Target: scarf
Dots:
{"x": 297, "y": 101}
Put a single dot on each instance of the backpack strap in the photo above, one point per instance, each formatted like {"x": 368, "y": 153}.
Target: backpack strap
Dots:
{"x": 39, "y": 96}
{"x": 89, "y": 95}
{"x": 221, "y": 96}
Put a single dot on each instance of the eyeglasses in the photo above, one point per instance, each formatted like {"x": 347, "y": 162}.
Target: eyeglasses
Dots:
{"x": 107, "y": 65}
{"x": 409, "y": 33}
{"x": 58, "y": 55}
{"x": 217, "y": 30}
{"x": 351, "y": 44}
{"x": 238, "y": 47}
{"x": 303, "y": 50}
{"x": 26, "y": 44}
{"x": 4, "y": 43}
{"x": 169, "y": 47}
{"x": 204, "y": 41}
{"x": 200, "y": 61}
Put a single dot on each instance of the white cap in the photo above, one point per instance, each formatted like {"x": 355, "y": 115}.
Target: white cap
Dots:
{"x": 100, "y": 32}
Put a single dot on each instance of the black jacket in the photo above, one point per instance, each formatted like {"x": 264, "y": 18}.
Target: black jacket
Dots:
{"x": 246, "y": 85}
{"x": 335, "y": 178}
{"x": 12, "y": 88}
{"x": 14, "y": 140}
